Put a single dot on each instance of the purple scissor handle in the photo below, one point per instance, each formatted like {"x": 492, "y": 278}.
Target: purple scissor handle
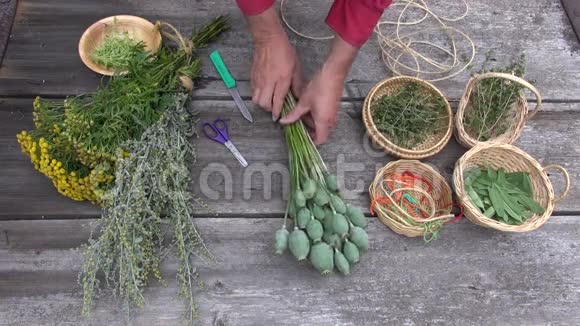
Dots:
{"x": 219, "y": 131}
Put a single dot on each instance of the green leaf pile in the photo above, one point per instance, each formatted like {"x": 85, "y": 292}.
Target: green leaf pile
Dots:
{"x": 505, "y": 197}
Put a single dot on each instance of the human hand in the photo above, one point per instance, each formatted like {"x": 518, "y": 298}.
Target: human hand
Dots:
{"x": 319, "y": 101}
{"x": 318, "y": 105}
{"x": 275, "y": 66}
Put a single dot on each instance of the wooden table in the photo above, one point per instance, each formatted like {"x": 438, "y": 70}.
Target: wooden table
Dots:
{"x": 471, "y": 275}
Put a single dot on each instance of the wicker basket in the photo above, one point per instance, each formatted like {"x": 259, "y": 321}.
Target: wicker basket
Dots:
{"x": 511, "y": 159}
{"x": 431, "y": 145}
{"x": 431, "y": 186}
{"x": 518, "y": 113}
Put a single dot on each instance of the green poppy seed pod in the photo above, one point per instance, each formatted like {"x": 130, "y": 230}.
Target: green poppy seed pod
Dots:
{"x": 359, "y": 237}
{"x": 321, "y": 197}
{"x": 318, "y": 213}
{"x": 351, "y": 252}
{"x": 337, "y": 203}
{"x": 322, "y": 258}
{"x": 314, "y": 230}
{"x": 331, "y": 182}
{"x": 339, "y": 224}
{"x": 299, "y": 244}
{"x": 299, "y": 199}
{"x": 333, "y": 240}
{"x": 281, "y": 241}
{"x": 303, "y": 217}
{"x": 309, "y": 188}
{"x": 341, "y": 263}
{"x": 356, "y": 216}
{"x": 292, "y": 211}
{"x": 327, "y": 223}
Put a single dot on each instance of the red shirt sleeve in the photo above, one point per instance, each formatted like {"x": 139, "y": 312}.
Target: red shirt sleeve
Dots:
{"x": 254, "y": 7}
{"x": 354, "y": 20}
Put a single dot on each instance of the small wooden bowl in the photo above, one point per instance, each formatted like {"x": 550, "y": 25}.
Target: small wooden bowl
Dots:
{"x": 138, "y": 28}
{"x": 431, "y": 145}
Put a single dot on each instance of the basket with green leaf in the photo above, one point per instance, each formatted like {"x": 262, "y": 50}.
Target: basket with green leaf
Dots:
{"x": 502, "y": 187}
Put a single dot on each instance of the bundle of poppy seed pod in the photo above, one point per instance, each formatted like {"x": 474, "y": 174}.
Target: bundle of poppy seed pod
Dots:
{"x": 327, "y": 231}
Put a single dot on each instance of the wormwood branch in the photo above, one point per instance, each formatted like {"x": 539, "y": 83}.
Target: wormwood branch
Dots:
{"x": 151, "y": 182}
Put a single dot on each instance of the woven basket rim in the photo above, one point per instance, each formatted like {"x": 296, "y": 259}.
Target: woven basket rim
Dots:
{"x": 511, "y": 134}
{"x": 389, "y": 146}
{"x": 475, "y": 215}
{"x": 410, "y": 231}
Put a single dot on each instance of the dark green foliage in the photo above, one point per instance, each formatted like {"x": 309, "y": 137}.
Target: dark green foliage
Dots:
{"x": 506, "y": 197}
{"x": 409, "y": 116}
{"x": 491, "y": 100}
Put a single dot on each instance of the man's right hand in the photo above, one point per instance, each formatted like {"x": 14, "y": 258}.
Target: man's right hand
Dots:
{"x": 275, "y": 67}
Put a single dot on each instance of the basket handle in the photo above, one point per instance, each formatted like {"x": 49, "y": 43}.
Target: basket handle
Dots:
{"x": 517, "y": 80}
{"x": 566, "y": 177}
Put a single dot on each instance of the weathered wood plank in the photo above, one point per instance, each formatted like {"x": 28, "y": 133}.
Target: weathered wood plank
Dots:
{"x": 573, "y": 11}
{"x": 471, "y": 276}
{"x": 259, "y": 189}
{"x": 7, "y": 11}
{"x": 42, "y": 56}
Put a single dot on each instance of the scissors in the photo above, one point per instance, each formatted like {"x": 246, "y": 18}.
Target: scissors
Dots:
{"x": 219, "y": 133}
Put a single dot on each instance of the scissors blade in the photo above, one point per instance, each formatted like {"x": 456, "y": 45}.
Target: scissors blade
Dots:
{"x": 236, "y": 153}
{"x": 240, "y": 103}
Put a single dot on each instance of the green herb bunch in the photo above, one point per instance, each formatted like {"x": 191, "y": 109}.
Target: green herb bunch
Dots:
{"x": 506, "y": 197}
{"x": 327, "y": 231}
{"x": 117, "y": 50}
{"x": 409, "y": 116}
{"x": 492, "y": 100}
{"x": 151, "y": 182}
{"x": 75, "y": 141}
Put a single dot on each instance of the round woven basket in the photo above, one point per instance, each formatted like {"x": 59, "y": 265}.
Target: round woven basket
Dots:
{"x": 431, "y": 145}
{"x": 518, "y": 113}
{"x": 430, "y": 188}
{"x": 511, "y": 159}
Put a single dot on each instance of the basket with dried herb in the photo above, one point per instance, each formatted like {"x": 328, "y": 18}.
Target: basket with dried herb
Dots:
{"x": 408, "y": 117}
{"x": 493, "y": 106}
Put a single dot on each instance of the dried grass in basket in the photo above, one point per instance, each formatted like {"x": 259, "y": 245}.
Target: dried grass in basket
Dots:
{"x": 517, "y": 115}
{"x": 431, "y": 145}
{"x": 425, "y": 184}
{"x": 511, "y": 159}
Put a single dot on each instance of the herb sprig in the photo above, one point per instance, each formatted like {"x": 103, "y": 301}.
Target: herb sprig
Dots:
{"x": 491, "y": 101}
{"x": 117, "y": 50}
{"x": 409, "y": 116}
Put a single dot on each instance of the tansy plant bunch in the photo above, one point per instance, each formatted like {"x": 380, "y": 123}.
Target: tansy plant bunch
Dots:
{"x": 75, "y": 141}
